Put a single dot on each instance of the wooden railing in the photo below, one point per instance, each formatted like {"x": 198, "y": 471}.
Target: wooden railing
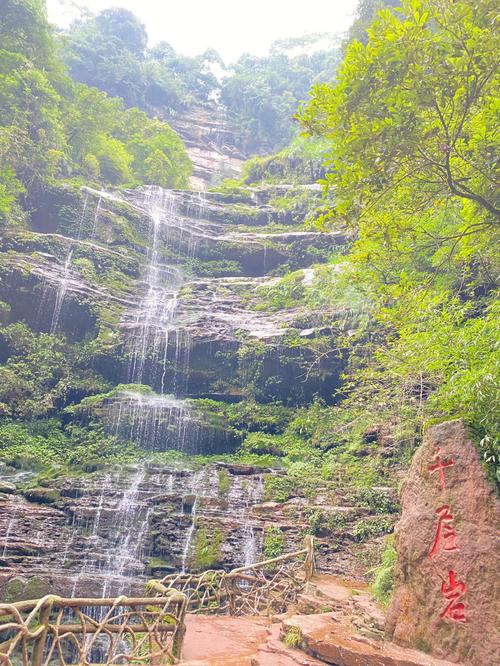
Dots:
{"x": 54, "y": 631}
{"x": 265, "y": 587}
{"x": 79, "y": 632}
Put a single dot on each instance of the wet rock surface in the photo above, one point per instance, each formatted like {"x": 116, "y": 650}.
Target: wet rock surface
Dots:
{"x": 448, "y": 552}
{"x": 133, "y": 260}
{"x": 111, "y": 532}
{"x": 211, "y": 144}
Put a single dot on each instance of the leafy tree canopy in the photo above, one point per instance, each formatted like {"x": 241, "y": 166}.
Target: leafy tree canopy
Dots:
{"x": 52, "y": 128}
{"x": 411, "y": 168}
{"x": 260, "y": 94}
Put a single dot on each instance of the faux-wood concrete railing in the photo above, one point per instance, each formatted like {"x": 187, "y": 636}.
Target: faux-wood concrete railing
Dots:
{"x": 265, "y": 587}
{"x": 78, "y": 632}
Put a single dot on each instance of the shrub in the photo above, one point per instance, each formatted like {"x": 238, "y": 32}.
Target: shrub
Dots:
{"x": 274, "y": 541}
{"x": 383, "y": 583}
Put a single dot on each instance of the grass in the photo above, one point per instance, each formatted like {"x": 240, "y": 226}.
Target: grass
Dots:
{"x": 293, "y": 637}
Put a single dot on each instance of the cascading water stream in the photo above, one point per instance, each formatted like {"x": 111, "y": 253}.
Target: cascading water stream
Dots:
{"x": 192, "y": 527}
{"x": 114, "y": 550}
{"x": 157, "y": 348}
{"x": 66, "y": 275}
{"x": 61, "y": 292}
{"x": 130, "y": 525}
{"x": 89, "y": 564}
{"x": 189, "y": 536}
{"x": 153, "y": 321}
{"x": 251, "y": 547}
{"x": 10, "y": 530}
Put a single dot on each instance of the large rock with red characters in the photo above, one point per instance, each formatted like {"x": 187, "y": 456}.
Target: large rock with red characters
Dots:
{"x": 446, "y": 598}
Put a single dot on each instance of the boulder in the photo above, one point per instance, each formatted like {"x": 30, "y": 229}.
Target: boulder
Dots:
{"x": 448, "y": 553}
{"x": 333, "y": 642}
{"x": 42, "y": 495}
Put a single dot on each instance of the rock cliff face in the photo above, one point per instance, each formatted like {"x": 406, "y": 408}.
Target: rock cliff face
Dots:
{"x": 168, "y": 283}
{"x": 166, "y": 289}
{"x": 164, "y": 300}
{"x": 107, "y": 533}
{"x": 448, "y": 552}
{"x": 211, "y": 144}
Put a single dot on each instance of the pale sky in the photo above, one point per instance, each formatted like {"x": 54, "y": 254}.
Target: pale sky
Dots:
{"x": 232, "y": 27}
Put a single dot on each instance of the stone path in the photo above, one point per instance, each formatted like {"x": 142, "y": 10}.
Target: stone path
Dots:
{"x": 238, "y": 641}
{"x": 336, "y": 622}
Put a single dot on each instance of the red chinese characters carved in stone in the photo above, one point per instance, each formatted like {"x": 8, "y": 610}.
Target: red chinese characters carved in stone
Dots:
{"x": 439, "y": 466}
{"x": 446, "y": 537}
{"x": 452, "y": 591}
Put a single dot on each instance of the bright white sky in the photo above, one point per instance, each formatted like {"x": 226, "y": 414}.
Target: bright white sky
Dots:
{"x": 232, "y": 27}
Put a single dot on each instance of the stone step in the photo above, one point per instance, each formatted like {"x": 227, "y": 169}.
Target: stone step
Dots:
{"x": 331, "y": 639}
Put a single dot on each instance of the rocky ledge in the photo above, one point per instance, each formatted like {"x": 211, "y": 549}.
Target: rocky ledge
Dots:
{"x": 67, "y": 535}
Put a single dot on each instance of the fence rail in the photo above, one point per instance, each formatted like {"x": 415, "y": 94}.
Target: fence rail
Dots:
{"x": 54, "y": 631}
{"x": 79, "y": 632}
{"x": 265, "y": 587}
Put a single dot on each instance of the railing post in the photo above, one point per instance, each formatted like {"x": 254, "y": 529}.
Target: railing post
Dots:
{"x": 180, "y": 629}
{"x": 231, "y": 594}
{"x": 309, "y": 562}
{"x": 39, "y": 649}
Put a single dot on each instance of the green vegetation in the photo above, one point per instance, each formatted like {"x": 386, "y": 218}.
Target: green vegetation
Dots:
{"x": 302, "y": 161}
{"x": 48, "y": 447}
{"x": 263, "y": 93}
{"x": 41, "y": 373}
{"x": 208, "y": 543}
{"x": 53, "y": 129}
{"x": 293, "y": 637}
{"x": 274, "y": 542}
{"x": 397, "y": 327}
{"x": 260, "y": 93}
{"x": 109, "y": 51}
{"x": 411, "y": 164}
{"x": 383, "y": 582}
{"x": 324, "y": 523}
{"x": 372, "y": 527}
{"x": 224, "y": 481}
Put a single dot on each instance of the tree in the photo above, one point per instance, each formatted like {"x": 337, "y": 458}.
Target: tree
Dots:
{"x": 107, "y": 50}
{"x": 124, "y": 29}
{"x": 411, "y": 126}
{"x": 366, "y": 12}
{"x": 52, "y": 128}
{"x": 24, "y": 29}
{"x": 415, "y": 108}
{"x": 32, "y": 140}
{"x": 263, "y": 93}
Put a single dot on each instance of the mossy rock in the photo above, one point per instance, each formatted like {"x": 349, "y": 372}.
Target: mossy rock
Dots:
{"x": 158, "y": 565}
{"x": 42, "y": 495}
{"x": 18, "y": 589}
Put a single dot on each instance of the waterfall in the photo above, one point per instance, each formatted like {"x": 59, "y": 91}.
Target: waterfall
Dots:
{"x": 153, "y": 320}
{"x": 189, "y": 536}
{"x": 251, "y": 547}
{"x": 61, "y": 292}
{"x": 123, "y": 517}
{"x": 66, "y": 272}
{"x": 156, "y": 422}
{"x": 130, "y": 524}
{"x": 191, "y": 531}
{"x": 91, "y": 556}
{"x": 10, "y": 527}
